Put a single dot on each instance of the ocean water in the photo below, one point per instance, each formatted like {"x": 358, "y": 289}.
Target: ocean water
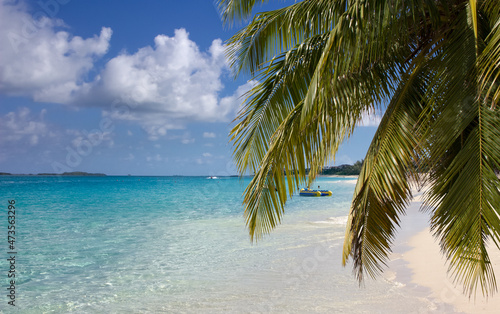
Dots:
{"x": 179, "y": 245}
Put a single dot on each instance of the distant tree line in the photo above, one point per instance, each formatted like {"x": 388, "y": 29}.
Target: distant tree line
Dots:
{"x": 344, "y": 170}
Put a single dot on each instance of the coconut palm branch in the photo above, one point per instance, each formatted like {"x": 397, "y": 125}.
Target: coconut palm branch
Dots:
{"x": 463, "y": 131}
{"x": 383, "y": 191}
{"x": 322, "y": 64}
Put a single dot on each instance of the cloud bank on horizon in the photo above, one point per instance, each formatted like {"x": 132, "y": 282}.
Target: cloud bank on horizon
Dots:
{"x": 166, "y": 85}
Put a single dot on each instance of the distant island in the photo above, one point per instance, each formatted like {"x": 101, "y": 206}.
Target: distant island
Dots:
{"x": 344, "y": 170}
{"x": 74, "y": 173}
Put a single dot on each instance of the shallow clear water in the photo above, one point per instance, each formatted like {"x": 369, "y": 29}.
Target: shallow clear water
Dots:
{"x": 179, "y": 244}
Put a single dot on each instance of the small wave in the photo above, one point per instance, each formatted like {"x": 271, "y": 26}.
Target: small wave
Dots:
{"x": 342, "y": 220}
{"x": 353, "y": 181}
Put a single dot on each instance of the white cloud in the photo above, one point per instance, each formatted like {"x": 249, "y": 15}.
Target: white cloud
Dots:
{"x": 155, "y": 131}
{"x": 207, "y": 155}
{"x": 208, "y": 134}
{"x": 187, "y": 140}
{"x": 94, "y": 138}
{"x": 24, "y": 126}
{"x": 40, "y": 61}
{"x": 164, "y": 86}
{"x": 370, "y": 118}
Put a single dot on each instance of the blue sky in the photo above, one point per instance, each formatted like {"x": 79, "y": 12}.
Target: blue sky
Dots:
{"x": 121, "y": 87}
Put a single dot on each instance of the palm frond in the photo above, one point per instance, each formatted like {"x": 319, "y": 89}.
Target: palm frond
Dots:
{"x": 489, "y": 62}
{"x": 465, "y": 198}
{"x": 382, "y": 191}
{"x": 282, "y": 85}
{"x": 275, "y": 32}
{"x": 462, "y": 137}
{"x": 355, "y": 44}
{"x": 232, "y": 10}
{"x": 322, "y": 63}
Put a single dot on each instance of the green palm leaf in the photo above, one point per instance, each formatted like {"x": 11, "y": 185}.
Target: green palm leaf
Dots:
{"x": 271, "y": 33}
{"x": 382, "y": 192}
{"x": 236, "y": 9}
{"x": 270, "y": 101}
{"x": 322, "y": 64}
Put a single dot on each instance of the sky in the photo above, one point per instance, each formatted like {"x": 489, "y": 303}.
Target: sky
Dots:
{"x": 122, "y": 87}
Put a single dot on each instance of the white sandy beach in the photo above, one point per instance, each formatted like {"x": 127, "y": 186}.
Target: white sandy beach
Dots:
{"x": 416, "y": 249}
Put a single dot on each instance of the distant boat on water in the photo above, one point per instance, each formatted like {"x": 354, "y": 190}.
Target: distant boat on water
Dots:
{"x": 212, "y": 177}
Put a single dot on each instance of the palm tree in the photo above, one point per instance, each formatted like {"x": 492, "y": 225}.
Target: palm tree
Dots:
{"x": 433, "y": 66}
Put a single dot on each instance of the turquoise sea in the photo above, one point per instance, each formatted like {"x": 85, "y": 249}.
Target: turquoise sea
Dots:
{"x": 179, "y": 245}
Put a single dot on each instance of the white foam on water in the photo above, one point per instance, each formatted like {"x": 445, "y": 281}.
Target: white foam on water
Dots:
{"x": 339, "y": 182}
{"x": 333, "y": 221}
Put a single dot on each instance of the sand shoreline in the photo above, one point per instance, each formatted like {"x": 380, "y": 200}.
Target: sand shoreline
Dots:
{"x": 417, "y": 261}
{"x": 429, "y": 269}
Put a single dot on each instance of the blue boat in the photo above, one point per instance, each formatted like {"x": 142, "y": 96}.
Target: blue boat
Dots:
{"x": 309, "y": 192}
